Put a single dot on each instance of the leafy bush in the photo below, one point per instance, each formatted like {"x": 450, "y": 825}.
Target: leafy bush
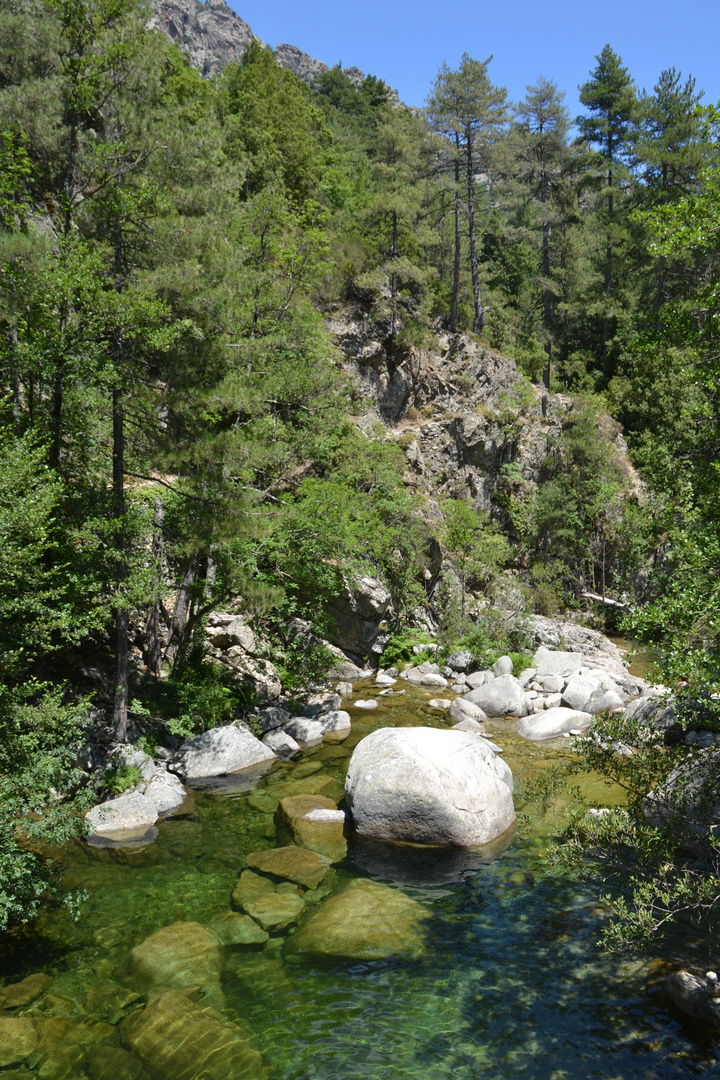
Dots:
{"x": 399, "y": 648}
{"x": 122, "y": 778}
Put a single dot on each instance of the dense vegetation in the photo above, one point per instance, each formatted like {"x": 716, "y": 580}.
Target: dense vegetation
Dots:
{"x": 176, "y": 430}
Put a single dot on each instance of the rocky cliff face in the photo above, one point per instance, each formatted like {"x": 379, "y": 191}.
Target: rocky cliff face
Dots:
{"x": 212, "y": 34}
{"x": 460, "y": 411}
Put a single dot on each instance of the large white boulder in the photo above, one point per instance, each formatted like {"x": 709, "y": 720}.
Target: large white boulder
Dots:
{"x": 221, "y": 751}
{"x": 128, "y": 816}
{"x": 428, "y": 786}
{"x": 462, "y": 709}
{"x": 501, "y": 697}
{"x": 579, "y": 690}
{"x": 165, "y": 791}
{"x": 553, "y": 722}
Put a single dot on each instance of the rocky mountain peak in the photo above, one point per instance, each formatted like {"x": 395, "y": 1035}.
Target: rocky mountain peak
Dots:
{"x": 212, "y": 34}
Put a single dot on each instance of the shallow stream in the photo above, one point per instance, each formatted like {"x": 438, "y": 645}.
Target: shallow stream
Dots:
{"x": 513, "y": 984}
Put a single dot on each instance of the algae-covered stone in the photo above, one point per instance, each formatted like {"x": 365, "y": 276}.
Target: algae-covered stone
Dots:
{"x": 275, "y": 911}
{"x": 249, "y": 887}
{"x": 112, "y": 1063}
{"x": 319, "y": 784}
{"x": 297, "y": 822}
{"x": 182, "y": 954}
{"x": 18, "y": 1038}
{"x": 304, "y": 867}
{"x": 364, "y": 921}
{"x": 65, "y": 1062}
{"x": 22, "y": 993}
{"x": 235, "y": 929}
{"x": 178, "y": 1039}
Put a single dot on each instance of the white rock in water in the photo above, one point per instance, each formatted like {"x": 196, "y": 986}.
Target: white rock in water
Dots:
{"x": 429, "y": 786}
{"x": 553, "y": 723}
{"x": 304, "y": 729}
{"x": 325, "y": 815}
{"x": 131, "y": 813}
{"x": 221, "y": 751}
{"x": 165, "y": 791}
{"x": 501, "y": 697}
{"x": 281, "y": 744}
{"x": 439, "y": 703}
{"x": 462, "y": 709}
{"x": 369, "y": 704}
{"x": 385, "y": 680}
{"x": 469, "y": 724}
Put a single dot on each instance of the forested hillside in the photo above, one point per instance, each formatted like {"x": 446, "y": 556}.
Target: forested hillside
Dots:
{"x": 200, "y": 277}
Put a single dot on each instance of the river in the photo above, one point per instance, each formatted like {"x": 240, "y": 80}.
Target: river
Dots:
{"x": 514, "y": 984}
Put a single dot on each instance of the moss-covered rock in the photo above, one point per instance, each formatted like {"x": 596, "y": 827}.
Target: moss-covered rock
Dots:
{"x": 182, "y": 954}
{"x": 363, "y": 921}
{"x": 291, "y": 863}
{"x": 18, "y": 1038}
{"x": 298, "y": 822}
{"x": 275, "y": 911}
{"x": 235, "y": 929}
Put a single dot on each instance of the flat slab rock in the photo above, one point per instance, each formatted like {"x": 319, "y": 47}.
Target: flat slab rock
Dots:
{"x": 556, "y": 662}
{"x": 312, "y": 822}
{"x": 552, "y": 723}
{"x": 182, "y": 954}
{"x": 304, "y": 867}
{"x": 275, "y": 911}
{"x": 221, "y": 751}
{"x": 428, "y": 786}
{"x": 127, "y": 817}
{"x": 363, "y": 921}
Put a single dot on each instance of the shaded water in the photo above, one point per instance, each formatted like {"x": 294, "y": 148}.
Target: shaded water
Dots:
{"x": 513, "y": 985}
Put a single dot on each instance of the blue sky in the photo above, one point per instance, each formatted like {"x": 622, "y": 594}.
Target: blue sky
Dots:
{"x": 404, "y": 43}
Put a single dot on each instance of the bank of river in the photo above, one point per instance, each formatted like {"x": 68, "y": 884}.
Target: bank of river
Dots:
{"x": 513, "y": 984}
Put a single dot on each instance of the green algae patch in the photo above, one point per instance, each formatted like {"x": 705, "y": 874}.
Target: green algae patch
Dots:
{"x": 363, "y": 921}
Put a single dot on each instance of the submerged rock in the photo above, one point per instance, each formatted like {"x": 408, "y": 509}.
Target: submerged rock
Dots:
{"x": 428, "y": 786}
{"x": 552, "y": 723}
{"x": 221, "y": 751}
{"x": 182, "y": 954}
{"x": 299, "y": 820}
{"x": 296, "y": 864}
{"x": 363, "y": 921}
{"x": 235, "y": 929}
{"x": 111, "y": 1063}
{"x": 179, "y": 1039}
{"x": 22, "y": 993}
{"x": 275, "y": 910}
{"x": 18, "y": 1039}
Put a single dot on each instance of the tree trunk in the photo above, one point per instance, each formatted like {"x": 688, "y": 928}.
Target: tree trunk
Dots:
{"x": 458, "y": 242}
{"x": 181, "y": 610}
{"x": 153, "y": 643}
{"x": 477, "y": 297}
{"x": 121, "y": 616}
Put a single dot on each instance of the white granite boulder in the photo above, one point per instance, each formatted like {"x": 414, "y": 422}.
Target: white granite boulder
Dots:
{"x": 221, "y": 751}
{"x": 553, "y": 662}
{"x": 428, "y": 786}
{"x": 552, "y": 723}
{"x": 501, "y": 697}
{"x": 128, "y": 817}
{"x": 462, "y": 709}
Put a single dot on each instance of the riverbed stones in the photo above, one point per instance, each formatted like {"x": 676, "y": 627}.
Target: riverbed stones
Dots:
{"x": 460, "y": 661}
{"x": 18, "y": 1039}
{"x": 602, "y": 700}
{"x": 556, "y": 662}
{"x": 428, "y": 786}
{"x": 300, "y": 865}
{"x": 369, "y": 703}
{"x": 299, "y": 820}
{"x": 468, "y": 724}
{"x": 336, "y": 724}
{"x": 690, "y": 993}
{"x": 22, "y": 993}
{"x": 112, "y": 1063}
{"x": 182, "y": 954}
{"x": 249, "y": 887}
{"x": 478, "y": 678}
{"x": 273, "y": 718}
{"x": 179, "y": 1039}
{"x": 553, "y": 723}
{"x": 275, "y": 911}
{"x": 128, "y": 817}
{"x": 503, "y": 666}
{"x": 363, "y": 921}
{"x": 439, "y": 703}
{"x": 503, "y": 696}
{"x": 167, "y": 793}
{"x": 219, "y": 752}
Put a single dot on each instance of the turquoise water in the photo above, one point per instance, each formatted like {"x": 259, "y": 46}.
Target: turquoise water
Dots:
{"x": 513, "y": 984}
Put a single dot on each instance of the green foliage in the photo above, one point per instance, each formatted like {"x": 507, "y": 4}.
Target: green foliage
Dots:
{"x": 122, "y": 778}
{"x": 399, "y": 649}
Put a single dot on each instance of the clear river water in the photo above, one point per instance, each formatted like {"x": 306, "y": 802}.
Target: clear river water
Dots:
{"x": 513, "y": 985}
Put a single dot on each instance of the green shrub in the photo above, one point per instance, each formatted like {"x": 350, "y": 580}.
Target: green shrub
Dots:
{"x": 399, "y": 648}
{"x": 122, "y": 778}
